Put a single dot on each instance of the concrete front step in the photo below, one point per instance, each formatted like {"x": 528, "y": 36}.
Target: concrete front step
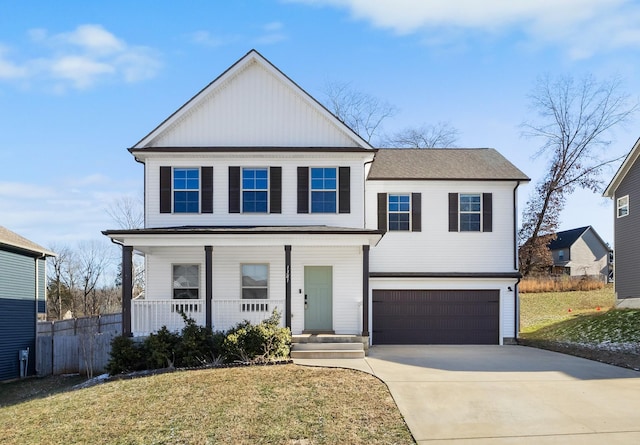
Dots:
{"x": 327, "y": 350}
{"x": 327, "y": 354}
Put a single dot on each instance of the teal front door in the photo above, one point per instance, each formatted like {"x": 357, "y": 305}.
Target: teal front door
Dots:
{"x": 318, "y": 297}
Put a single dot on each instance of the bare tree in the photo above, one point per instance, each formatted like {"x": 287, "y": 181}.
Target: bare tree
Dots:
{"x": 440, "y": 135}
{"x": 127, "y": 212}
{"x": 58, "y": 294}
{"x": 575, "y": 119}
{"x": 92, "y": 261}
{"x": 362, "y": 112}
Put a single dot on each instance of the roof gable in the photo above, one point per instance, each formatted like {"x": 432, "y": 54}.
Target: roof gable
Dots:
{"x": 443, "y": 164}
{"x": 627, "y": 164}
{"x": 252, "y": 104}
{"x": 12, "y": 239}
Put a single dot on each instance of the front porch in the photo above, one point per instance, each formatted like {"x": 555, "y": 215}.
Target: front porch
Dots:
{"x": 147, "y": 316}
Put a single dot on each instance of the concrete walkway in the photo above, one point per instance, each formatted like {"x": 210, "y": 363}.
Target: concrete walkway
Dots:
{"x": 504, "y": 395}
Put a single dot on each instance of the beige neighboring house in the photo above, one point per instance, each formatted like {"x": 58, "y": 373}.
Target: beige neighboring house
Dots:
{"x": 579, "y": 252}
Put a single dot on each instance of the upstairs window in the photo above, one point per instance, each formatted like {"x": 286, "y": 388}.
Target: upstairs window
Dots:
{"x": 186, "y": 281}
{"x": 399, "y": 212}
{"x": 255, "y": 281}
{"x": 255, "y": 190}
{"x": 186, "y": 190}
{"x": 622, "y": 206}
{"x": 470, "y": 211}
{"x": 323, "y": 190}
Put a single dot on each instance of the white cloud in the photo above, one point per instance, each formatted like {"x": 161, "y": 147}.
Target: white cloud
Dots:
{"x": 273, "y": 33}
{"x": 62, "y": 210}
{"x": 9, "y": 69}
{"x": 581, "y": 27}
{"x": 80, "y": 59}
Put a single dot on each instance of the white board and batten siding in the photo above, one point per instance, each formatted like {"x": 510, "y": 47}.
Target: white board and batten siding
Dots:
{"x": 255, "y": 106}
{"x": 289, "y": 214}
{"x": 346, "y": 263}
{"x": 507, "y": 297}
{"x": 434, "y": 248}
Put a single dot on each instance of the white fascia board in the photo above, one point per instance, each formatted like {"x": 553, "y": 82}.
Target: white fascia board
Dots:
{"x": 143, "y": 242}
{"x": 623, "y": 170}
{"x": 232, "y": 155}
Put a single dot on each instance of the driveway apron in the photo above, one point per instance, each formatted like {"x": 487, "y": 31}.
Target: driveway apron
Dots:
{"x": 508, "y": 395}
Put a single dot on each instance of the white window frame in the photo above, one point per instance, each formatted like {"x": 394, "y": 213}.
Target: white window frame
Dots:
{"x": 242, "y": 189}
{"x": 390, "y": 212}
{"x": 469, "y": 212}
{"x": 173, "y": 280}
{"x": 622, "y": 206}
{"x": 174, "y": 189}
{"x": 335, "y": 190}
{"x": 243, "y": 287}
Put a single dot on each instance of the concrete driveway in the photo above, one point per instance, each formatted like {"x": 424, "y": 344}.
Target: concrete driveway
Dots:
{"x": 506, "y": 395}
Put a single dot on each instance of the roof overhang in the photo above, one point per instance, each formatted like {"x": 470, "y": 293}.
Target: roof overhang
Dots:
{"x": 145, "y": 240}
{"x": 628, "y": 162}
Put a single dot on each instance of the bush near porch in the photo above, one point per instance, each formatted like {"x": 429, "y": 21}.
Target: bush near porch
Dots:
{"x": 198, "y": 346}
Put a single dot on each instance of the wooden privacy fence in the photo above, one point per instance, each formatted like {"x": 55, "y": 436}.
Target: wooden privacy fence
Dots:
{"x": 78, "y": 345}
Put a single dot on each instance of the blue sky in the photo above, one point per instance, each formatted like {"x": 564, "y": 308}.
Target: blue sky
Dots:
{"x": 80, "y": 82}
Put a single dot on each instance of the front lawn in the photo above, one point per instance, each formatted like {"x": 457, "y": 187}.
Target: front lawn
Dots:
{"x": 278, "y": 404}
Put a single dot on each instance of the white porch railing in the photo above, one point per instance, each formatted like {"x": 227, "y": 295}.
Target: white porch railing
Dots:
{"x": 148, "y": 316}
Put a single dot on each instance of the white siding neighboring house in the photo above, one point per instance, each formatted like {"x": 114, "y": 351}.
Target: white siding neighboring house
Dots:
{"x": 257, "y": 197}
{"x": 579, "y": 252}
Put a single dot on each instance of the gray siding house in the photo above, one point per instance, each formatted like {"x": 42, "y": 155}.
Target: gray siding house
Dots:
{"x": 624, "y": 189}
{"x": 579, "y": 252}
{"x": 22, "y": 297}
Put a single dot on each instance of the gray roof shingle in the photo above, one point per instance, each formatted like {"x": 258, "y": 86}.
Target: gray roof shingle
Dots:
{"x": 12, "y": 239}
{"x": 444, "y": 164}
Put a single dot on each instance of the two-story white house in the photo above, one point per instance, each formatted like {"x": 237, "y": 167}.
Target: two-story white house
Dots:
{"x": 258, "y": 198}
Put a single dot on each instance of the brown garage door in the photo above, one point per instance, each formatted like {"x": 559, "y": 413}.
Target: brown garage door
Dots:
{"x": 444, "y": 317}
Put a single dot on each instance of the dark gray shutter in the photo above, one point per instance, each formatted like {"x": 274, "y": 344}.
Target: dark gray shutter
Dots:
{"x": 453, "y": 212}
{"x": 487, "y": 212}
{"x": 165, "y": 189}
{"x": 344, "y": 190}
{"x": 234, "y": 189}
{"x": 382, "y": 212}
{"x": 416, "y": 212}
{"x": 303, "y": 189}
{"x": 206, "y": 196}
{"x": 275, "y": 190}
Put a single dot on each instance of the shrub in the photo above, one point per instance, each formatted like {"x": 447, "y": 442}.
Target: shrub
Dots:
{"x": 196, "y": 346}
{"x": 161, "y": 348}
{"x": 257, "y": 343}
{"x": 126, "y": 356}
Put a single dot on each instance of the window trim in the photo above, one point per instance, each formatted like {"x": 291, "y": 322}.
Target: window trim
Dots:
{"x": 335, "y": 190}
{"x": 624, "y": 206}
{"x": 467, "y": 212}
{"x": 243, "y": 287}
{"x": 408, "y": 212}
{"x": 267, "y": 190}
{"x": 173, "y": 189}
{"x": 173, "y": 280}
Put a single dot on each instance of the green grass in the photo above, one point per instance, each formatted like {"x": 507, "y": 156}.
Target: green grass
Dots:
{"x": 538, "y": 310}
{"x": 615, "y": 326}
{"x": 284, "y": 404}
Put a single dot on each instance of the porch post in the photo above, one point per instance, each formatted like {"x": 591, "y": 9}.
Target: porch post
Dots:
{"x": 287, "y": 286}
{"x": 365, "y": 290}
{"x": 208, "y": 279}
{"x": 127, "y": 289}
